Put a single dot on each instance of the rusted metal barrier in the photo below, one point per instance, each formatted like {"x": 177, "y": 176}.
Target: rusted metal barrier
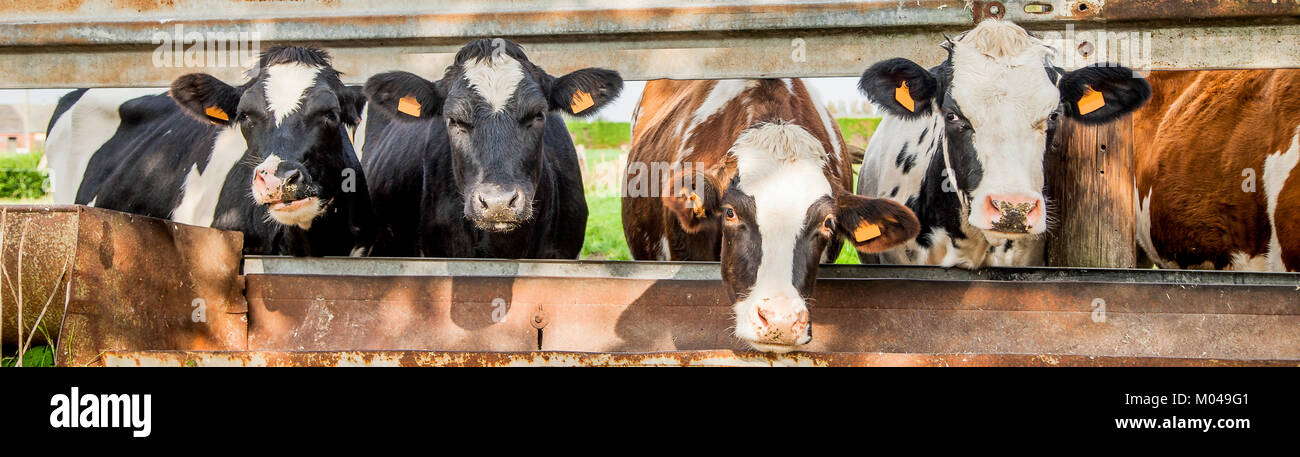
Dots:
{"x": 100, "y": 280}
{"x": 654, "y": 359}
{"x": 131, "y": 284}
{"x": 616, "y": 307}
{"x": 104, "y": 43}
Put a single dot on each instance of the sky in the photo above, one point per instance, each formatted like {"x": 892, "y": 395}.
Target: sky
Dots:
{"x": 830, "y": 89}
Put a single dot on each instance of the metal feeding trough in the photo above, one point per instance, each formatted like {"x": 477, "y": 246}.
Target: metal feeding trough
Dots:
{"x": 142, "y": 291}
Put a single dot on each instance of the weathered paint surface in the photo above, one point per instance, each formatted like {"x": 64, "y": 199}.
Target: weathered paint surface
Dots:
{"x": 105, "y": 43}
{"x": 130, "y": 282}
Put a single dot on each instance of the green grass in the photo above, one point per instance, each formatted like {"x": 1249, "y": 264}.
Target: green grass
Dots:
{"x": 20, "y": 179}
{"x": 600, "y": 134}
{"x": 37, "y": 356}
{"x": 858, "y": 130}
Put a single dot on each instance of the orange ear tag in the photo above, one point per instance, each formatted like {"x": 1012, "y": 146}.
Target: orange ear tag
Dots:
{"x": 904, "y": 97}
{"x": 866, "y": 231}
{"x": 580, "y": 102}
{"x": 409, "y": 106}
{"x": 216, "y": 113}
{"x": 693, "y": 202}
{"x": 1091, "y": 101}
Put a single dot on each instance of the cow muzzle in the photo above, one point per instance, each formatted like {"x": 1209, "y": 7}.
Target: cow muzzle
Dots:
{"x": 287, "y": 192}
{"x": 498, "y": 208}
{"x": 773, "y": 324}
{"x": 1012, "y": 214}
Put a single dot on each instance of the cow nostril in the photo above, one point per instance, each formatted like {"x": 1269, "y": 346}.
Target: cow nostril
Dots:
{"x": 482, "y": 203}
{"x": 514, "y": 199}
{"x": 292, "y": 177}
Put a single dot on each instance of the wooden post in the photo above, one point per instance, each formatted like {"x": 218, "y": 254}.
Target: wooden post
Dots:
{"x": 1089, "y": 172}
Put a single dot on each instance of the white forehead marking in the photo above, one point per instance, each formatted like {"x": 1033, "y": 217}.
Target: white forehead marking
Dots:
{"x": 780, "y": 166}
{"x": 1000, "y": 79}
{"x": 495, "y": 78}
{"x": 285, "y": 86}
{"x": 1000, "y": 83}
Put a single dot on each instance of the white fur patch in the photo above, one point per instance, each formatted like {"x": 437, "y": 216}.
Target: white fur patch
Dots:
{"x": 1278, "y": 167}
{"x": 780, "y": 166}
{"x": 359, "y": 134}
{"x": 1002, "y": 89}
{"x": 285, "y": 86}
{"x": 201, "y": 191}
{"x": 1143, "y": 227}
{"x": 495, "y": 78}
{"x": 722, "y": 93}
{"x": 79, "y": 133}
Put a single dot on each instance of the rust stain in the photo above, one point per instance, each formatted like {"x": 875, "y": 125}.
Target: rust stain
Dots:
{"x": 676, "y": 358}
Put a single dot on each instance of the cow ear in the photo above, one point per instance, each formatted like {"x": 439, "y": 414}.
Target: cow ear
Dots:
{"x": 586, "y": 91}
{"x": 404, "y": 96}
{"x": 900, "y": 87}
{"x": 694, "y": 197}
{"x": 1102, "y": 93}
{"x": 874, "y": 224}
{"x": 351, "y": 103}
{"x": 206, "y": 98}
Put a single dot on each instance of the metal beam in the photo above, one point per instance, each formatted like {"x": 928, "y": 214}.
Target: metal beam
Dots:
{"x": 100, "y": 43}
{"x": 477, "y": 313}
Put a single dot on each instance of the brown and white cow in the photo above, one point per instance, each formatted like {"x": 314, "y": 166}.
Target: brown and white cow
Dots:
{"x": 753, "y": 173}
{"x": 1217, "y": 181}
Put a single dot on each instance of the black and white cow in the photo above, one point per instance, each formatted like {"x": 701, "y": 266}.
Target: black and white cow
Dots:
{"x": 478, "y": 163}
{"x": 271, "y": 158}
{"x": 962, "y": 144}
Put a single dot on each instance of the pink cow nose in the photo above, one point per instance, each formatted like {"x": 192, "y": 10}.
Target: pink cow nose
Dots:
{"x": 780, "y": 323}
{"x": 1014, "y": 213}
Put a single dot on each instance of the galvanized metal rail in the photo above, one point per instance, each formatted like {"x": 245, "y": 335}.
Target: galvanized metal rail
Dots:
{"x": 103, "y": 43}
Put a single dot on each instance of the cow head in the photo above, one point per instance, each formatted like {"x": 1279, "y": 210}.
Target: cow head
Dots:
{"x": 495, "y": 104}
{"x": 996, "y": 103}
{"x": 778, "y": 211}
{"x": 293, "y": 115}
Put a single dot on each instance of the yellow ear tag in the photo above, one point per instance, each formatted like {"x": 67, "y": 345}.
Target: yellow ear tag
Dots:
{"x": 409, "y": 106}
{"x": 216, "y": 113}
{"x": 904, "y": 97}
{"x": 1091, "y": 101}
{"x": 866, "y": 231}
{"x": 581, "y": 101}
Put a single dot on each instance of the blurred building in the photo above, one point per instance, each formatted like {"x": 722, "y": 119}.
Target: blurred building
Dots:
{"x": 22, "y": 127}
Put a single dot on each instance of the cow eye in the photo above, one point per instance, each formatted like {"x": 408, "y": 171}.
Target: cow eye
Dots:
{"x": 538, "y": 118}
{"x": 730, "y": 213}
{"x": 452, "y": 122}
{"x": 1054, "y": 116}
{"x": 953, "y": 117}
{"x": 828, "y": 225}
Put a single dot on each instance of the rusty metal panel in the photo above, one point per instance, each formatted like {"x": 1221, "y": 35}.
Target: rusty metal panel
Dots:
{"x": 136, "y": 282}
{"x": 103, "y": 43}
{"x": 45, "y": 241}
{"x": 334, "y": 313}
{"x": 654, "y": 359}
{"x": 293, "y": 312}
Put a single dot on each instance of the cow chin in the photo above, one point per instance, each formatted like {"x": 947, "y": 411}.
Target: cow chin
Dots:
{"x": 298, "y": 213}
{"x": 496, "y": 226}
